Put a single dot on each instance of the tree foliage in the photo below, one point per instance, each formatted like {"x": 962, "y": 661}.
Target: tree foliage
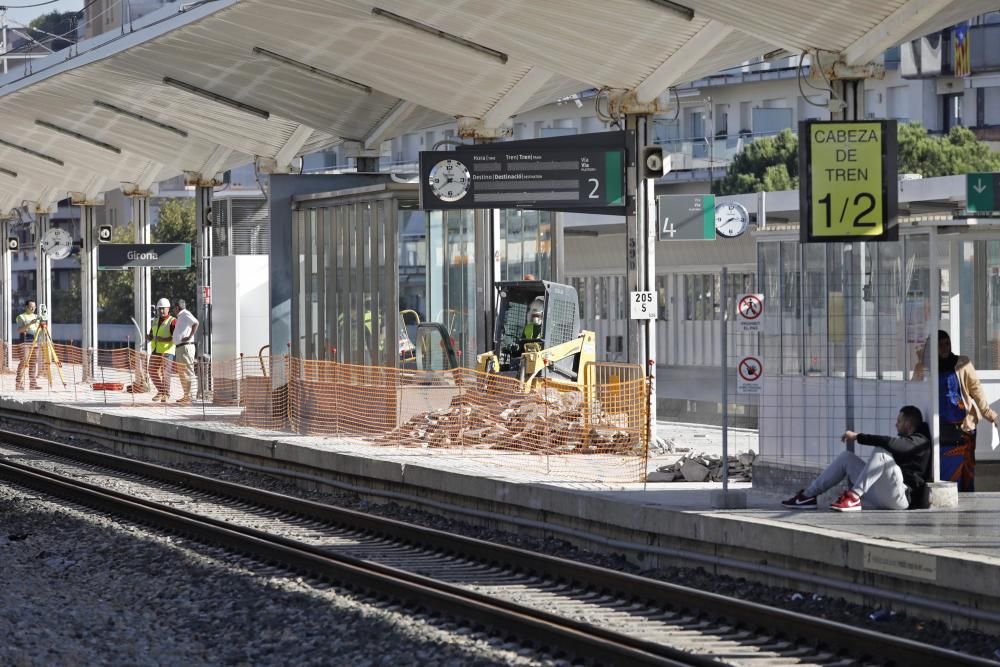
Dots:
{"x": 772, "y": 163}
{"x": 54, "y": 24}
{"x": 114, "y": 288}
{"x": 176, "y": 224}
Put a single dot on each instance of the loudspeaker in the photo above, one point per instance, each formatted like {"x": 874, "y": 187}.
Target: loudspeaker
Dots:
{"x": 104, "y": 233}
{"x": 652, "y": 163}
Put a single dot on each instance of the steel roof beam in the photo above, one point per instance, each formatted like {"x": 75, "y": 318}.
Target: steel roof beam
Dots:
{"x": 515, "y": 98}
{"x": 295, "y": 142}
{"x": 672, "y": 70}
{"x": 385, "y": 126}
{"x": 893, "y": 29}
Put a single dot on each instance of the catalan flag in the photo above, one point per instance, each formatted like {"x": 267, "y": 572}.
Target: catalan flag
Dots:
{"x": 963, "y": 55}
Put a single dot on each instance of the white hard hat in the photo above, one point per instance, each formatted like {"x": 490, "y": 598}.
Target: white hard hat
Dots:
{"x": 163, "y": 303}
{"x": 537, "y": 306}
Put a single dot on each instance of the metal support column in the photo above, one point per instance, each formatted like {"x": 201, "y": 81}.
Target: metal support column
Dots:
{"x": 88, "y": 289}
{"x": 142, "y": 296}
{"x": 485, "y": 241}
{"x": 6, "y": 297}
{"x": 640, "y": 249}
{"x": 203, "y": 253}
{"x": 43, "y": 266}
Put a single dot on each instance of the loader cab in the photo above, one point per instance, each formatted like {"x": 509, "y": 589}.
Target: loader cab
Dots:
{"x": 513, "y": 336}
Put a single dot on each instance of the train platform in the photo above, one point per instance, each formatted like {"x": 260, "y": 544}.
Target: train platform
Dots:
{"x": 942, "y": 563}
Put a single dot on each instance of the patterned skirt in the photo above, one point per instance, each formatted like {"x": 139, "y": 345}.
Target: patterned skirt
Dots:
{"x": 958, "y": 457}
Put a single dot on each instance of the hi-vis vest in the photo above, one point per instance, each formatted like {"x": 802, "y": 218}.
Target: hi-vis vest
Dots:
{"x": 163, "y": 338}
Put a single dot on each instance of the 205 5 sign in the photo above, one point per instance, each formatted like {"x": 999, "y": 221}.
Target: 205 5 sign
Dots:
{"x": 848, "y": 186}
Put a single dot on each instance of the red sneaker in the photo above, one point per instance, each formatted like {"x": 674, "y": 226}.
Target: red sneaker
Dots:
{"x": 848, "y": 502}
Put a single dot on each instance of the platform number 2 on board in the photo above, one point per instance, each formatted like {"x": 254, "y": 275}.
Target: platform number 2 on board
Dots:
{"x": 643, "y": 305}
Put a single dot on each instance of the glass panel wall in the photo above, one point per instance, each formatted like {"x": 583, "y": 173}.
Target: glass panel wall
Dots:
{"x": 791, "y": 309}
{"x": 814, "y": 320}
{"x": 525, "y": 245}
{"x": 849, "y": 306}
{"x": 916, "y": 311}
{"x": 451, "y": 284}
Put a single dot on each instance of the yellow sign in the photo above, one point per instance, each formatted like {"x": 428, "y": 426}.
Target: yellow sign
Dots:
{"x": 847, "y": 188}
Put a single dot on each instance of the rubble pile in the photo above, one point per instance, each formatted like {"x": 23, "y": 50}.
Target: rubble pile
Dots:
{"x": 693, "y": 467}
{"x": 552, "y": 422}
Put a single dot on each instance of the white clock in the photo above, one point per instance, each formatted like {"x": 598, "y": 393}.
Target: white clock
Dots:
{"x": 450, "y": 180}
{"x": 57, "y": 243}
{"x": 731, "y": 219}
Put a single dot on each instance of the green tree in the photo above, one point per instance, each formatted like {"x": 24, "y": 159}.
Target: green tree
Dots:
{"x": 176, "y": 224}
{"x": 772, "y": 163}
{"x": 56, "y": 30}
{"x": 115, "y": 297}
{"x": 958, "y": 152}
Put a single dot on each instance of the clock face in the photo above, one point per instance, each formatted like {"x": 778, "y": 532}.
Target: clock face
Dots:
{"x": 731, "y": 219}
{"x": 57, "y": 243}
{"x": 450, "y": 180}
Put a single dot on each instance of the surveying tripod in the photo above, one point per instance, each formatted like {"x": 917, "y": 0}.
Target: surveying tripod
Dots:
{"x": 47, "y": 352}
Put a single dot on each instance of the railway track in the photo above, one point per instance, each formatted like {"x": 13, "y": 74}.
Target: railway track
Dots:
{"x": 555, "y": 605}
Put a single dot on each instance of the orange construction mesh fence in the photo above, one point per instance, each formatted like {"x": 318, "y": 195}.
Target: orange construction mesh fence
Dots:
{"x": 594, "y": 431}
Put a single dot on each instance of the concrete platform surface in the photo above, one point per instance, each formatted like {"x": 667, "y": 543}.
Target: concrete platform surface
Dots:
{"x": 950, "y": 557}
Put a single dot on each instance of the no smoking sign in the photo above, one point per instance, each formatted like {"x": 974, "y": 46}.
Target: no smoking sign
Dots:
{"x": 749, "y": 372}
{"x": 749, "y": 312}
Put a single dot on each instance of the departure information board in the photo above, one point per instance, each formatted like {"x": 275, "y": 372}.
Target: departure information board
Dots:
{"x": 502, "y": 176}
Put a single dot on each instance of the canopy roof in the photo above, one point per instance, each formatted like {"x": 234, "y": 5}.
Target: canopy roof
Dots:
{"x": 159, "y": 96}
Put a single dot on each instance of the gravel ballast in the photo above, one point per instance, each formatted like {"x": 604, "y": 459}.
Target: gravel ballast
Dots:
{"x": 832, "y": 608}
{"x": 80, "y": 588}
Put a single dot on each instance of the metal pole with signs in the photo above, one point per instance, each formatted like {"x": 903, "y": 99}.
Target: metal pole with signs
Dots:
{"x": 848, "y": 178}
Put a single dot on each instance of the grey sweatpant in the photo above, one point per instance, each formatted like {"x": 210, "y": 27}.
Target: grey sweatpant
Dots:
{"x": 878, "y": 482}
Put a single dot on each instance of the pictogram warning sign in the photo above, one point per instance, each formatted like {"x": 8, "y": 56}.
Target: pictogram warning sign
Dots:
{"x": 749, "y": 372}
{"x": 749, "y": 312}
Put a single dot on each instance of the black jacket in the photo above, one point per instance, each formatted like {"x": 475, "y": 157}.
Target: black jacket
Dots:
{"x": 912, "y": 453}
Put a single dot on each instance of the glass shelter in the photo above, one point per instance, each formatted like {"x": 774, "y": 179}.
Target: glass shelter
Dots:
{"x": 369, "y": 266}
{"x": 844, "y": 340}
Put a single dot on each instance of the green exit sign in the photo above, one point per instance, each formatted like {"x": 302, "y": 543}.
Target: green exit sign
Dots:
{"x": 981, "y": 191}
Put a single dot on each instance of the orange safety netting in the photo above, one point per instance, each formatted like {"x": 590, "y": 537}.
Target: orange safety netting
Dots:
{"x": 596, "y": 431}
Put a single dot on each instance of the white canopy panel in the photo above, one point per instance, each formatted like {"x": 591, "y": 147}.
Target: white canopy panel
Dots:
{"x": 223, "y": 81}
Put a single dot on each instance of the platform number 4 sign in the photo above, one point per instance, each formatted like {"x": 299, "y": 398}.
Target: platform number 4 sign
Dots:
{"x": 643, "y": 305}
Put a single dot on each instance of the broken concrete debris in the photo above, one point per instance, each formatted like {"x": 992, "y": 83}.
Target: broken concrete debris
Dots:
{"x": 693, "y": 467}
{"x": 554, "y": 422}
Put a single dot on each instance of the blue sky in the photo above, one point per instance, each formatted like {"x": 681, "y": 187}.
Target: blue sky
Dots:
{"x": 25, "y": 15}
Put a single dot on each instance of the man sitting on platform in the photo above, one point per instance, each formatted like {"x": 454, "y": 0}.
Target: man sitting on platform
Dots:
{"x": 895, "y": 474}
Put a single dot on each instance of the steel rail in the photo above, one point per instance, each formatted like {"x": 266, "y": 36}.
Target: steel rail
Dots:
{"x": 532, "y": 626}
{"x": 840, "y": 638}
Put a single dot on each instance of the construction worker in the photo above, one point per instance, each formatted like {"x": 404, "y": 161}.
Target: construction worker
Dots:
{"x": 27, "y": 327}
{"x": 184, "y": 331}
{"x": 161, "y": 336}
{"x": 533, "y": 329}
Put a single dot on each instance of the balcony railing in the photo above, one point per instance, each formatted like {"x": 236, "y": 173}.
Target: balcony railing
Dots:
{"x": 708, "y": 152}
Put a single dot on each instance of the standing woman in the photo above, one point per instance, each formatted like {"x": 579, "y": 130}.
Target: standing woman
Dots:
{"x": 962, "y": 405}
